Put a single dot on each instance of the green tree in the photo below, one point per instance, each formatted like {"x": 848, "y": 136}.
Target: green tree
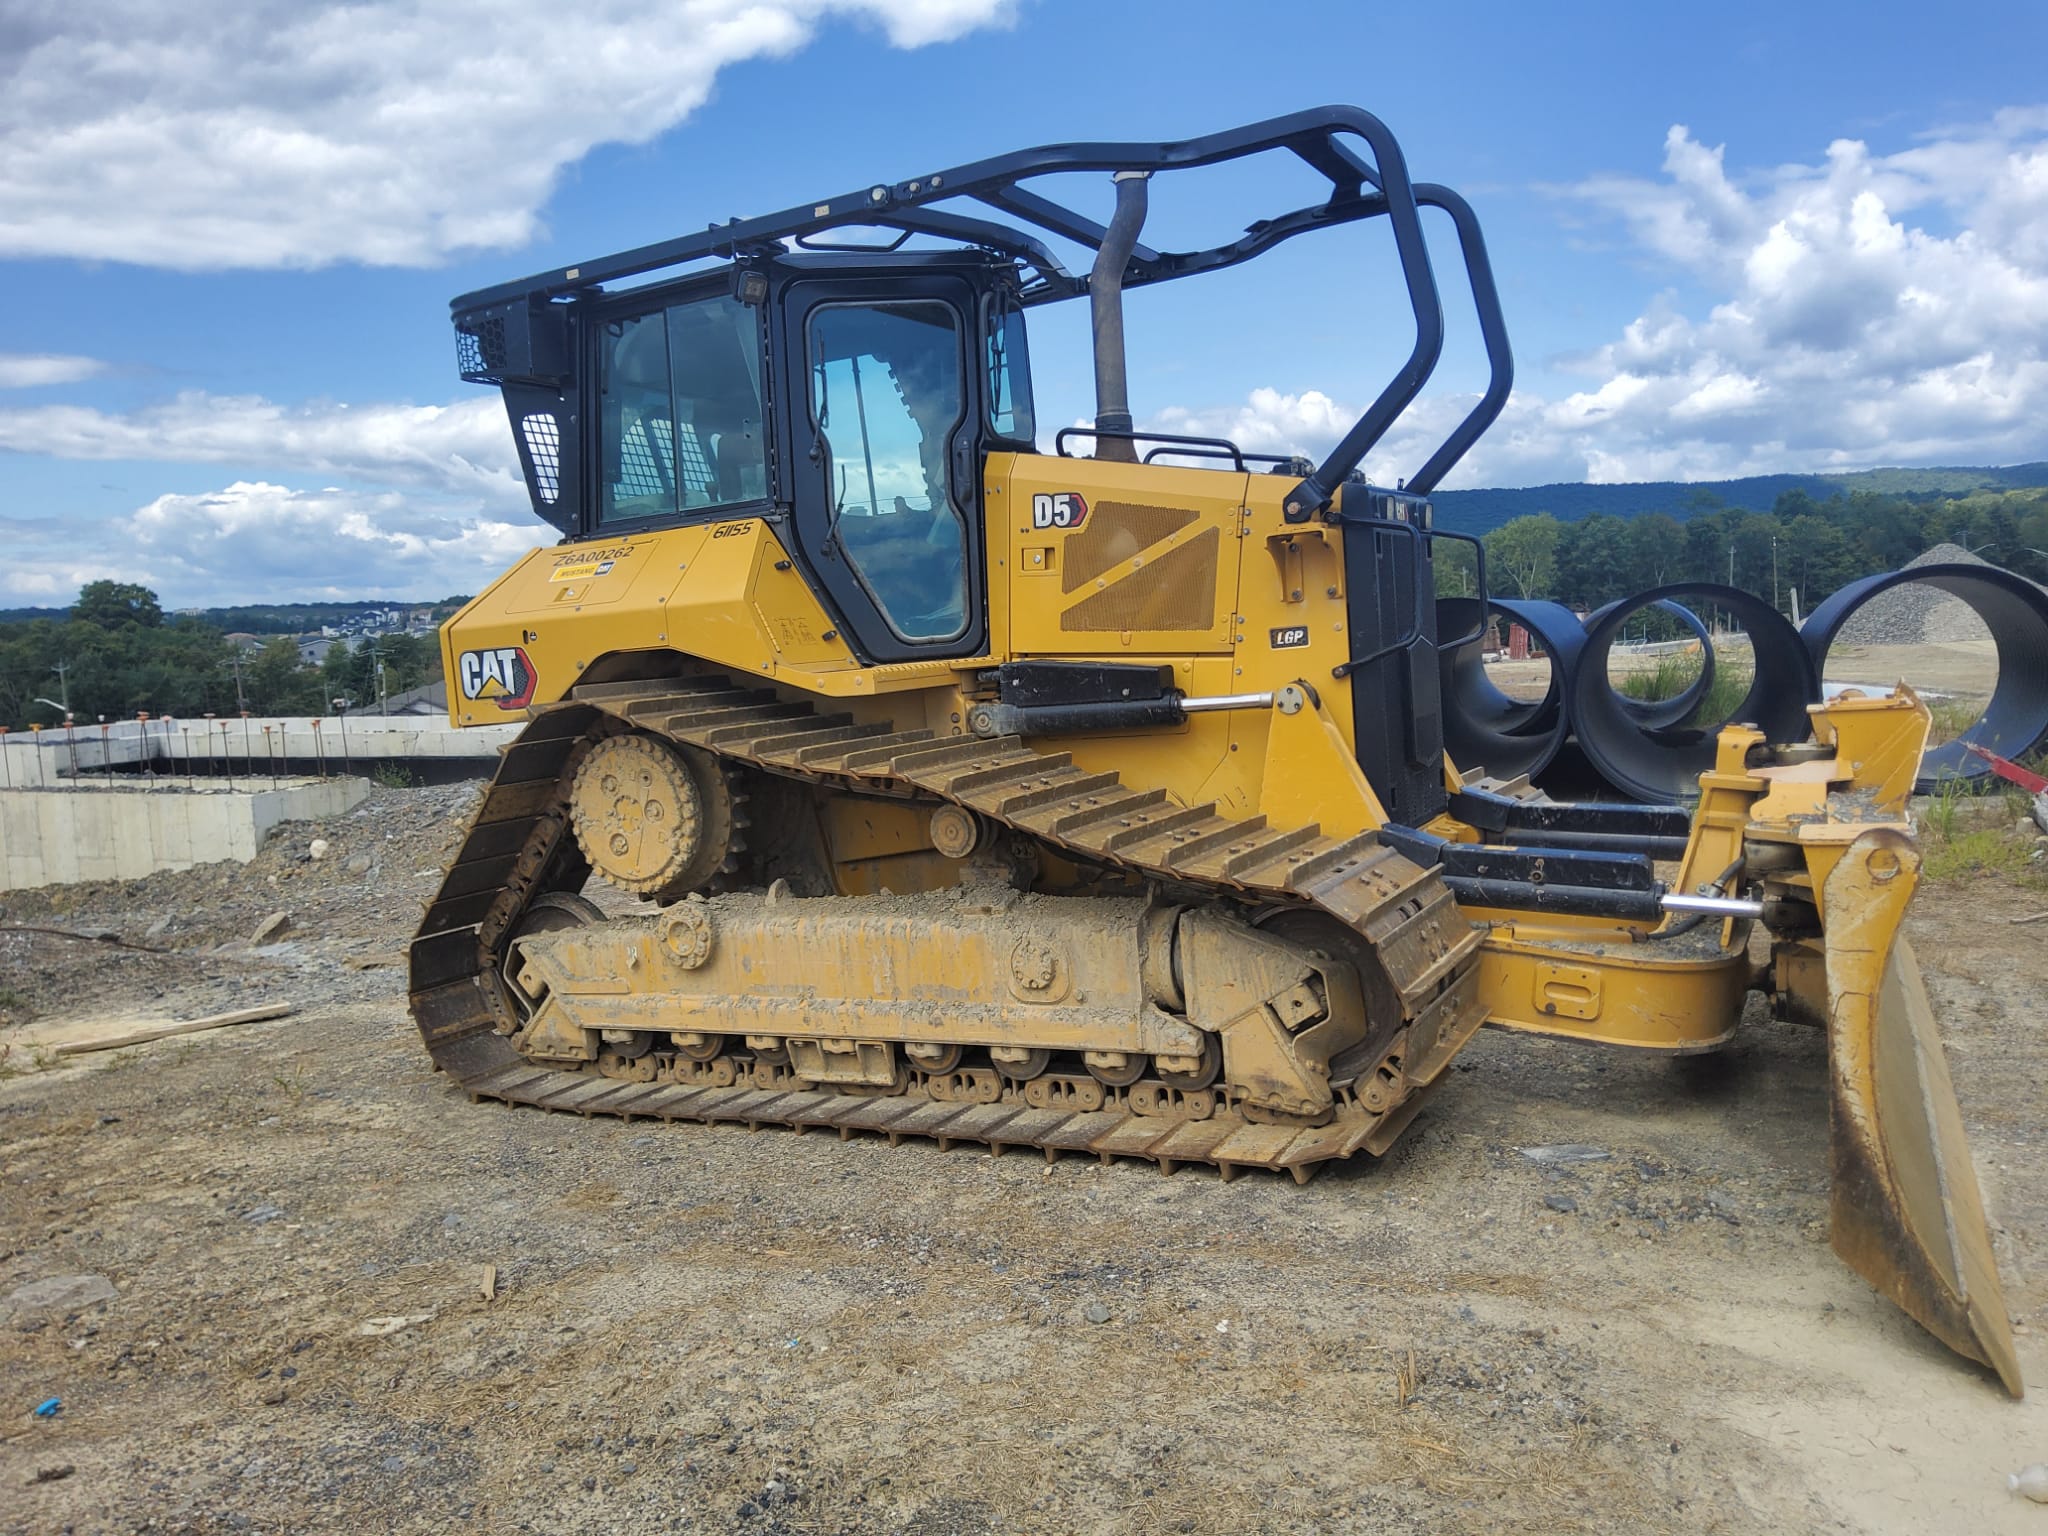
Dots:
{"x": 1755, "y": 538}
{"x": 1814, "y": 558}
{"x": 409, "y": 661}
{"x": 111, "y": 604}
{"x": 340, "y": 675}
{"x": 1653, "y": 550}
{"x": 1456, "y": 571}
{"x": 1521, "y": 555}
{"x": 276, "y": 683}
{"x": 1592, "y": 565}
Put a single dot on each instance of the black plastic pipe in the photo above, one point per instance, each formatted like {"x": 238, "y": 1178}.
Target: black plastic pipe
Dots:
{"x": 1484, "y": 727}
{"x": 2015, "y": 721}
{"x": 1665, "y": 764}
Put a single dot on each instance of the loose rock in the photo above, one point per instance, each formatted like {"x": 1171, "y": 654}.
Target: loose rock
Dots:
{"x": 65, "y": 1292}
{"x": 1567, "y": 1152}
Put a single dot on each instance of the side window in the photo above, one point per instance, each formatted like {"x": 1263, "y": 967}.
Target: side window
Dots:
{"x": 1009, "y": 376}
{"x": 886, "y": 396}
{"x": 639, "y": 420}
{"x": 681, "y": 428}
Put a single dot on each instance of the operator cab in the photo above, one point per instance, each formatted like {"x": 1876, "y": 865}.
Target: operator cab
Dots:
{"x": 851, "y": 399}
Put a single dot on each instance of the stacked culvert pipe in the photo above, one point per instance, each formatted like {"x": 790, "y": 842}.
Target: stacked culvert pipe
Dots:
{"x": 1583, "y": 736}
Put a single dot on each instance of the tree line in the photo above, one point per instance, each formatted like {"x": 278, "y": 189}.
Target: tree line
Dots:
{"x": 1801, "y": 546}
{"x": 116, "y": 655}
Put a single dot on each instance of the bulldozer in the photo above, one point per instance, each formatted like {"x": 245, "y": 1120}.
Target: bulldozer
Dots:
{"x": 940, "y": 786}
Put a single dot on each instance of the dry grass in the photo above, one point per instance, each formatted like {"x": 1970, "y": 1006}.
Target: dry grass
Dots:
{"x": 1950, "y": 717}
{"x": 1407, "y": 1380}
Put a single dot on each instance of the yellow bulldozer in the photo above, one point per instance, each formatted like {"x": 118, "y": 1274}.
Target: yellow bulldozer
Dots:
{"x": 1093, "y": 803}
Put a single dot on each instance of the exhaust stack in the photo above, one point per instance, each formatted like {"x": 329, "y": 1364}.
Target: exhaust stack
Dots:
{"x": 1106, "y": 312}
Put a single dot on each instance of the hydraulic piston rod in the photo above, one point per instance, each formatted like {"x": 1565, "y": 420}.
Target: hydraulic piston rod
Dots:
{"x": 1712, "y": 906}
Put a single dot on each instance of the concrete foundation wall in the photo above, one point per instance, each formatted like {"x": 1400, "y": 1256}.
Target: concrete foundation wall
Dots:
{"x": 29, "y": 758}
{"x": 63, "y": 836}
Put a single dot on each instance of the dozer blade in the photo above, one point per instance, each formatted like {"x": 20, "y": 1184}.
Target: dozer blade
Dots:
{"x": 1904, "y": 1210}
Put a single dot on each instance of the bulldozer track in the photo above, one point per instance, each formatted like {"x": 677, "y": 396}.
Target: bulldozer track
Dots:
{"x": 520, "y": 844}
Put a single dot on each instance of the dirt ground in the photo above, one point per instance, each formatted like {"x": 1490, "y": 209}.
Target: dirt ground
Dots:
{"x": 701, "y": 1329}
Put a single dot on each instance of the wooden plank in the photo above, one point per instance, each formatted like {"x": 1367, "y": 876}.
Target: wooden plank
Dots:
{"x": 188, "y": 1027}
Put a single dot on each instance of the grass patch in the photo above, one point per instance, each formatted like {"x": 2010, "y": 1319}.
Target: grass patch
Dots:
{"x": 1965, "y": 835}
{"x": 1945, "y": 809}
{"x": 19, "y": 1063}
{"x": 392, "y": 775}
{"x": 1671, "y": 674}
{"x": 1949, "y": 718}
{"x": 1986, "y": 851}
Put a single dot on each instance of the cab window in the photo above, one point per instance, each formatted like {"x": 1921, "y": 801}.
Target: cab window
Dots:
{"x": 681, "y": 412}
{"x": 887, "y": 396}
{"x": 1009, "y": 376}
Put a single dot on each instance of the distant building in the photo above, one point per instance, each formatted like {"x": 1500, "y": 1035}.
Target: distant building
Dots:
{"x": 313, "y": 649}
{"x": 430, "y": 699}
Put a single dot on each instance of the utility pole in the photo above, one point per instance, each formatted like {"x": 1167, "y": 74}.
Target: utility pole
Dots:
{"x": 1731, "y": 562}
{"x": 1774, "y": 570}
{"x": 64, "y": 687}
{"x": 241, "y": 703}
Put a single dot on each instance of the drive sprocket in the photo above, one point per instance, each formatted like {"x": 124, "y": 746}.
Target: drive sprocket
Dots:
{"x": 646, "y": 818}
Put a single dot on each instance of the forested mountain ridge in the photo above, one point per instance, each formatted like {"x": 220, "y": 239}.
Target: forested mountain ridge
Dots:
{"x": 1482, "y": 511}
{"x": 1801, "y": 546}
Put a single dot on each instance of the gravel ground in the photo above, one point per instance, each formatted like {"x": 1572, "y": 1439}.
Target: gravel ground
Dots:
{"x": 1589, "y": 1292}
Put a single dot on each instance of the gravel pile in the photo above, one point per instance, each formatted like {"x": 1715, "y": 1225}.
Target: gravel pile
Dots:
{"x": 1917, "y": 615}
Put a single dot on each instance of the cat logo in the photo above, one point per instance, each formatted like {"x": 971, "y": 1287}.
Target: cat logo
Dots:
{"x": 1064, "y": 510}
{"x": 503, "y": 675}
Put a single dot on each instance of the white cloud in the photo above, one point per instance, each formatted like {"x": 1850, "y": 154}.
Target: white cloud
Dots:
{"x": 280, "y": 133}
{"x": 1874, "y": 309}
{"x": 33, "y": 370}
{"x": 258, "y": 542}
{"x": 464, "y": 448}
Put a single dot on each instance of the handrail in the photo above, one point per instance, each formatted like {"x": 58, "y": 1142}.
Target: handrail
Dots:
{"x": 1493, "y": 329}
{"x": 1222, "y": 446}
{"x": 1375, "y": 526}
{"x": 1479, "y": 578}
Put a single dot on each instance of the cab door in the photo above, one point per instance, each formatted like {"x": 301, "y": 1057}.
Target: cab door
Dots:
{"x": 886, "y": 463}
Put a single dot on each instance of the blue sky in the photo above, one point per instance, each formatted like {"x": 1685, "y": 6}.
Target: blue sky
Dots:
{"x": 1730, "y": 239}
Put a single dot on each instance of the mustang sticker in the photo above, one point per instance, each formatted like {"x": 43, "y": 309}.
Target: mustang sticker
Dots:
{"x": 503, "y": 676}
{"x": 579, "y": 564}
